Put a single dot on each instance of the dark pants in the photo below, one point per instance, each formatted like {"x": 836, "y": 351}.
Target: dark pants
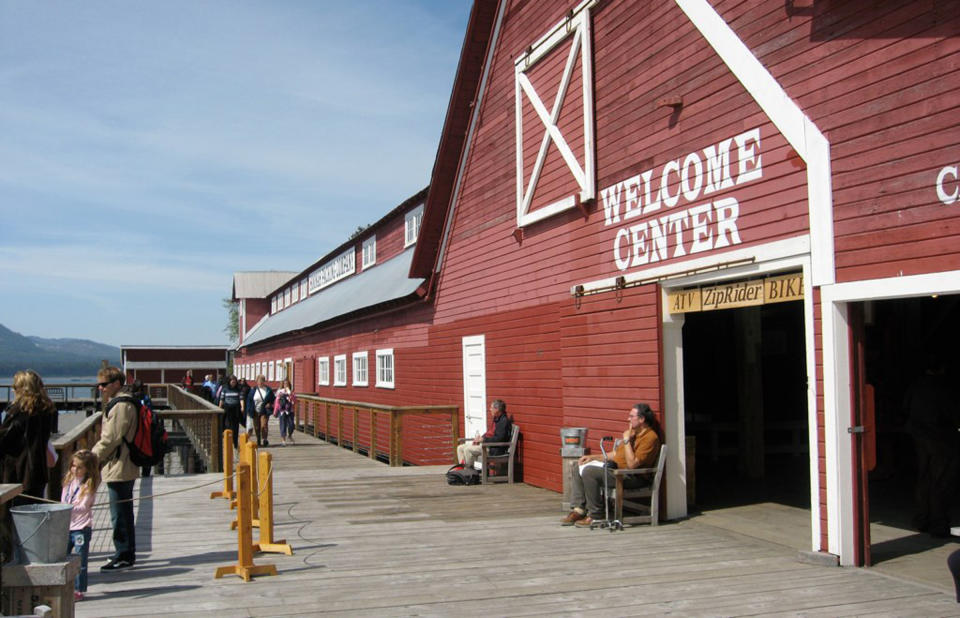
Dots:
{"x": 586, "y": 490}
{"x": 286, "y": 424}
{"x": 953, "y": 563}
{"x": 79, "y": 544}
{"x": 121, "y": 516}
{"x": 231, "y": 421}
{"x": 937, "y": 467}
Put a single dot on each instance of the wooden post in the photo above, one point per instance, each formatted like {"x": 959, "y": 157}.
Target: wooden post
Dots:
{"x": 244, "y": 567}
{"x": 249, "y": 457}
{"x": 356, "y": 429}
{"x": 395, "y": 457}
{"x": 266, "y": 542}
{"x": 228, "y": 491}
{"x": 373, "y": 435}
{"x": 340, "y": 425}
{"x": 214, "y": 422}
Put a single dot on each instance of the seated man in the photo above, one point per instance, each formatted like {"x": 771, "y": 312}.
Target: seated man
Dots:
{"x": 640, "y": 449}
{"x": 500, "y": 431}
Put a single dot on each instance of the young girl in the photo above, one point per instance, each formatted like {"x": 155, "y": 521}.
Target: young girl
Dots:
{"x": 79, "y": 489}
{"x": 283, "y": 408}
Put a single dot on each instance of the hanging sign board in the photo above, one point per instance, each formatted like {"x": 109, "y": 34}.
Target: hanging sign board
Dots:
{"x": 729, "y": 295}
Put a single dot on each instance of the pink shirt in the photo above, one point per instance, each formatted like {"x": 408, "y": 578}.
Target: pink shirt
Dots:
{"x": 80, "y": 517}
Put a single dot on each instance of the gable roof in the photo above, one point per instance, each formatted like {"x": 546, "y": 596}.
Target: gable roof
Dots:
{"x": 454, "y": 136}
{"x": 258, "y": 284}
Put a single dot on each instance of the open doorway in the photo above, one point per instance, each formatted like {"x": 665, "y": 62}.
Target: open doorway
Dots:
{"x": 904, "y": 339}
{"x": 745, "y": 400}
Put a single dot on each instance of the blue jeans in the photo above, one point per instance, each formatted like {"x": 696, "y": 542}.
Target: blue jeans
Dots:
{"x": 79, "y": 544}
{"x": 121, "y": 516}
{"x": 286, "y": 425}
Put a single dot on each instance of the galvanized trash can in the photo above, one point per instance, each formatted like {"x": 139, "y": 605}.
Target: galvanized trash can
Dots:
{"x": 574, "y": 446}
{"x": 43, "y": 531}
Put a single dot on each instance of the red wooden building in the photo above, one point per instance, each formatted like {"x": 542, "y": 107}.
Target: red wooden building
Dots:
{"x": 170, "y": 363}
{"x": 743, "y": 213}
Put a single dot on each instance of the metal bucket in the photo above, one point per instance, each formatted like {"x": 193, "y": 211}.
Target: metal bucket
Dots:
{"x": 43, "y": 531}
{"x": 573, "y": 440}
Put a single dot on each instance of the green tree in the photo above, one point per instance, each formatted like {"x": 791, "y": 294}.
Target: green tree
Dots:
{"x": 233, "y": 319}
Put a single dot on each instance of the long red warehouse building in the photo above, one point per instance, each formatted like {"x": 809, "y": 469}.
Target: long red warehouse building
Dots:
{"x": 742, "y": 213}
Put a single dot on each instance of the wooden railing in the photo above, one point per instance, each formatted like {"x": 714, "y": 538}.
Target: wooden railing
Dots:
{"x": 200, "y": 420}
{"x": 420, "y": 435}
{"x": 84, "y": 435}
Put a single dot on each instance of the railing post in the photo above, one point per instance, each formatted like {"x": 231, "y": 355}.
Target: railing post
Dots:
{"x": 217, "y": 464}
{"x": 340, "y": 425}
{"x": 395, "y": 425}
{"x": 356, "y": 429}
{"x": 373, "y": 435}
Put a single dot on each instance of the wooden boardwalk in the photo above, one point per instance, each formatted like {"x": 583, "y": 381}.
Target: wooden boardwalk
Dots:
{"x": 370, "y": 540}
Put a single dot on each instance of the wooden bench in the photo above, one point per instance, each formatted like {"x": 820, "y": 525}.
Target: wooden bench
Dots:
{"x": 649, "y": 508}
{"x": 488, "y": 461}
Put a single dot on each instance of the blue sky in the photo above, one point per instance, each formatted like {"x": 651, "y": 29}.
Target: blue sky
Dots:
{"x": 150, "y": 149}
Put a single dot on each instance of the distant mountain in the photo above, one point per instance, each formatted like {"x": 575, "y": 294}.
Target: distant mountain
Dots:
{"x": 52, "y": 357}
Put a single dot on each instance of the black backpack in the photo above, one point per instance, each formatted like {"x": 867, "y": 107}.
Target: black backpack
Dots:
{"x": 149, "y": 443}
{"x": 458, "y": 475}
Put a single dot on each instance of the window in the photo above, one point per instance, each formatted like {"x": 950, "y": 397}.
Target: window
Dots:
{"x": 281, "y": 371}
{"x": 340, "y": 370}
{"x": 360, "y": 368}
{"x": 385, "y": 368}
{"x": 411, "y": 225}
{"x": 370, "y": 252}
{"x": 270, "y": 370}
{"x": 303, "y": 288}
{"x": 273, "y": 305}
{"x": 294, "y": 292}
{"x": 287, "y": 297}
{"x": 323, "y": 371}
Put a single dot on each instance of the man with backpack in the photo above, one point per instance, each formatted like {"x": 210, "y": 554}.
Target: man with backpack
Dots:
{"x": 118, "y": 472}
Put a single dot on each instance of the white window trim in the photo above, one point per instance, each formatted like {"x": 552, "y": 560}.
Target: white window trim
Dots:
{"x": 412, "y": 220}
{"x": 388, "y": 353}
{"x": 361, "y": 376}
{"x": 323, "y": 371}
{"x": 369, "y": 246}
{"x": 337, "y": 380}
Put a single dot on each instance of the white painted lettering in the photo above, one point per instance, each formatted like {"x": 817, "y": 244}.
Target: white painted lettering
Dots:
{"x": 691, "y": 193}
{"x": 623, "y": 263}
{"x": 702, "y": 236}
{"x": 677, "y": 222}
{"x": 727, "y": 212}
{"x": 631, "y": 199}
{"x": 648, "y": 205}
{"x": 718, "y": 167}
{"x": 749, "y": 156}
{"x": 639, "y": 234}
{"x": 947, "y": 198}
{"x": 658, "y": 239}
{"x": 669, "y": 200}
{"x": 611, "y": 204}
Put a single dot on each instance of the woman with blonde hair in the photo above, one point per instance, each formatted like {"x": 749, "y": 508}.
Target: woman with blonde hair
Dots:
{"x": 24, "y": 434}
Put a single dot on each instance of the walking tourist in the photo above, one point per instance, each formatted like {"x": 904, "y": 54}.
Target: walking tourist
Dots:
{"x": 283, "y": 410}
{"x": 259, "y": 407}
{"x": 229, "y": 401}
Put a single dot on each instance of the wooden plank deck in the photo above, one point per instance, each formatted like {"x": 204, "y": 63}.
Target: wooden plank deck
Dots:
{"x": 370, "y": 540}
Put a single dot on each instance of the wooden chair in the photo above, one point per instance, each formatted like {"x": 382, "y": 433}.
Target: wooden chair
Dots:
{"x": 487, "y": 460}
{"x": 649, "y": 508}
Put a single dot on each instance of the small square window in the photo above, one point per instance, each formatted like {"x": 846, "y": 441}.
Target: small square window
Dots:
{"x": 411, "y": 226}
{"x": 385, "y": 368}
{"x": 370, "y": 252}
{"x": 340, "y": 370}
{"x": 359, "y": 368}
{"x": 323, "y": 371}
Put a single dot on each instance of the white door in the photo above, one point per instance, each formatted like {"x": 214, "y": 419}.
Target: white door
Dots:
{"x": 474, "y": 386}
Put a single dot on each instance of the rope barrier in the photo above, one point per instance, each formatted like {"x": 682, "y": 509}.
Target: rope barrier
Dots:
{"x": 103, "y": 505}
